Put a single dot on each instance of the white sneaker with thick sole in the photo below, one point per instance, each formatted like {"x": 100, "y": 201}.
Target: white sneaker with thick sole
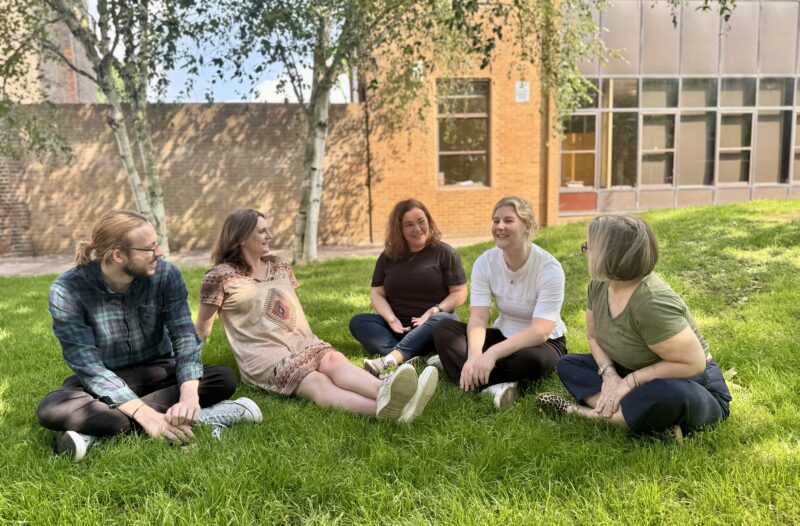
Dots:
{"x": 395, "y": 392}
{"x": 73, "y": 444}
{"x": 231, "y": 412}
{"x": 504, "y": 395}
{"x": 426, "y": 386}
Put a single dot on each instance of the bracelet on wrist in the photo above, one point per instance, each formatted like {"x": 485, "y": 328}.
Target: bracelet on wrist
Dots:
{"x": 137, "y": 410}
{"x": 604, "y": 369}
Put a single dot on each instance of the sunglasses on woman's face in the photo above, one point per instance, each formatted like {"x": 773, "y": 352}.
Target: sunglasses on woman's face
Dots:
{"x": 585, "y": 247}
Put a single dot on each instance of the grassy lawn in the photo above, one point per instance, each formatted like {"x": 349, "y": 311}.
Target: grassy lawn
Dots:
{"x": 461, "y": 463}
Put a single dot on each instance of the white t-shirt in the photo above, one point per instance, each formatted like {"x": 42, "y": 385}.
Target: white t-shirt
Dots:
{"x": 534, "y": 291}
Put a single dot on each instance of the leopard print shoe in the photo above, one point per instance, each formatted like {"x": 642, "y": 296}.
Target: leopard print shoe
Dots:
{"x": 554, "y": 403}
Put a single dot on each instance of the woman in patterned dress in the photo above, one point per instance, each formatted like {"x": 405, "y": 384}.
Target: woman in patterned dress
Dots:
{"x": 253, "y": 293}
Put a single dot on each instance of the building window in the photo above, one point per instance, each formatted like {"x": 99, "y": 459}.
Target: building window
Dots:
{"x": 577, "y": 152}
{"x": 463, "y": 138}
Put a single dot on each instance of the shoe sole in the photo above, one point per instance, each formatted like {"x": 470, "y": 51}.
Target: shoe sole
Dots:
{"x": 70, "y": 444}
{"x": 402, "y": 388}
{"x": 426, "y": 386}
{"x": 507, "y": 399}
{"x": 253, "y": 411}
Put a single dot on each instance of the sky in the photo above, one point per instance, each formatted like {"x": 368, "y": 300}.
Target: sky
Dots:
{"x": 265, "y": 91}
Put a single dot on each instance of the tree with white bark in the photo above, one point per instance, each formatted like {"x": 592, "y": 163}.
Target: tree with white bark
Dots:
{"x": 124, "y": 42}
{"x": 401, "y": 43}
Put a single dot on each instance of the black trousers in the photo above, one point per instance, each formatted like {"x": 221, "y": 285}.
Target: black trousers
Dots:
{"x": 72, "y": 408}
{"x": 525, "y": 365}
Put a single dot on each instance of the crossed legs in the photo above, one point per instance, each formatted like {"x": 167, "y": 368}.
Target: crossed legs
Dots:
{"x": 338, "y": 383}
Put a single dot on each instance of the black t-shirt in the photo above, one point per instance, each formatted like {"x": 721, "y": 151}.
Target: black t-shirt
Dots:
{"x": 420, "y": 282}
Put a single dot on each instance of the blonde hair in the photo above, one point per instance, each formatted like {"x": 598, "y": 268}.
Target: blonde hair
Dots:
{"x": 621, "y": 248}
{"x": 108, "y": 234}
{"x": 522, "y": 207}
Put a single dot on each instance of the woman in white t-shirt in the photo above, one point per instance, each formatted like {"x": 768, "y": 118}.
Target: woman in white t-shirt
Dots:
{"x": 527, "y": 338}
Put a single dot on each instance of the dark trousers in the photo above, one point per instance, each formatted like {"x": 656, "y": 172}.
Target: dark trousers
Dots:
{"x": 372, "y": 331}
{"x": 72, "y": 408}
{"x": 691, "y": 403}
{"x": 525, "y": 365}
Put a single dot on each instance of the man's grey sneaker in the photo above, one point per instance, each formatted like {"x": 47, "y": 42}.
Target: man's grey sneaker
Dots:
{"x": 231, "y": 412}
{"x": 395, "y": 392}
{"x": 73, "y": 444}
{"x": 435, "y": 361}
{"x": 504, "y": 395}
{"x": 426, "y": 386}
{"x": 554, "y": 403}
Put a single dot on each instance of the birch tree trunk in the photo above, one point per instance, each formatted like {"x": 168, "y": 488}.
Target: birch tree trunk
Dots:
{"x": 141, "y": 124}
{"x": 116, "y": 120}
{"x": 307, "y": 225}
{"x": 155, "y": 194}
{"x": 98, "y": 51}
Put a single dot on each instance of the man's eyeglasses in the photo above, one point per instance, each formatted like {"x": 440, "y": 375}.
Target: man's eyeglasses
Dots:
{"x": 585, "y": 247}
{"x": 151, "y": 250}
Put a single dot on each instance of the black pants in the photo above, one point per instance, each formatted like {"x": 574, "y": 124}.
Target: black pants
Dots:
{"x": 525, "y": 365}
{"x": 72, "y": 408}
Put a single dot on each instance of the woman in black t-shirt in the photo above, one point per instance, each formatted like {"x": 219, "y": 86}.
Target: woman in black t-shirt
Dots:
{"x": 418, "y": 281}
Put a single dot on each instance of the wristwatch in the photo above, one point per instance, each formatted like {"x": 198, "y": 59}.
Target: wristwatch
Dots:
{"x": 603, "y": 368}
{"x": 438, "y": 308}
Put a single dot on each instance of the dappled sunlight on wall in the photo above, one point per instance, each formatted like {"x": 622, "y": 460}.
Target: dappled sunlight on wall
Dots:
{"x": 214, "y": 158}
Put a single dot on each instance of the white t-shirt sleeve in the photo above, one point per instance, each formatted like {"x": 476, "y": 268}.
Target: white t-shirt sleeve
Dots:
{"x": 480, "y": 294}
{"x": 550, "y": 285}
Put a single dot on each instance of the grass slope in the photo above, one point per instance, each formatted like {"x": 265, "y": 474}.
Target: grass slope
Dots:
{"x": 461, "y": 463}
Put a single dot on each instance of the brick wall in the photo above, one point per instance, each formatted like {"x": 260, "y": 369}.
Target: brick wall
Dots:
{"x": 214, "y": 159}
{"x": 406, "y": 163}
{"x": 15, "y": 233}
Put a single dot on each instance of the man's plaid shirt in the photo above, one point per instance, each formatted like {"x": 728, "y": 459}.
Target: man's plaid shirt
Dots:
{"x": 102, "y": 331}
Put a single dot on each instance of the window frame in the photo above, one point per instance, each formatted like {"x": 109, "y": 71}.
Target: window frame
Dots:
{"x": 441, "y": 182}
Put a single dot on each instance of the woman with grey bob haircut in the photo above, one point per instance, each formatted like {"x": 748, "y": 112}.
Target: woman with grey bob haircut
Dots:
{"x": 649, "y": 368}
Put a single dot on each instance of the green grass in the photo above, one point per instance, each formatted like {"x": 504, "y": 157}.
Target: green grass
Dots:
{"x": 461, "y": 462}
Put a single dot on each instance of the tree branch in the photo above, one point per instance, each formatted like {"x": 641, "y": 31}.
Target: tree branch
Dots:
{"x": 52, "y": 48}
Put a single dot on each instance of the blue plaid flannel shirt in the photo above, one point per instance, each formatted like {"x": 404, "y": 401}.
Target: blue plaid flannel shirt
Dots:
{"x": 102, "y": 331}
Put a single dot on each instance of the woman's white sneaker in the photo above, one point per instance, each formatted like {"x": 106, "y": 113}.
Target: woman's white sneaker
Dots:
{"x": 426, "y": 386}
{"x": 504, "y": 395}
{"x": 395, "y": 392}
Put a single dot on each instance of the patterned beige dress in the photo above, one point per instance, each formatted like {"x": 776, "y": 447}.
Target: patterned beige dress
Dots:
{"x": 265, "y": 325}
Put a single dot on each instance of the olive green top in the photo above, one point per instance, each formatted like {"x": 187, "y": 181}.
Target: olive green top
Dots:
{"x": 653, "y": 314}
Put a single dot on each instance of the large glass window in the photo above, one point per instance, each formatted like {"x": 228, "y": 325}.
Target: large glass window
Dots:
{"x": 775, "y": 92}
{"x": 658, "y": 149}
{"x": 618, "y": 140}
{"x": 463, "y": 118}
{"x": 734, "y": 147}
{"x": 797, "y": 149}
{"x": 578, "y": 152}
{"x": 696, "y": 149}
{"x": 659, "y": 93}
{"x": 773, "y": 147}
{"x": 620, "y": 93}
{"x": 738, "y": 92}
{"x": 699, "y": 93}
